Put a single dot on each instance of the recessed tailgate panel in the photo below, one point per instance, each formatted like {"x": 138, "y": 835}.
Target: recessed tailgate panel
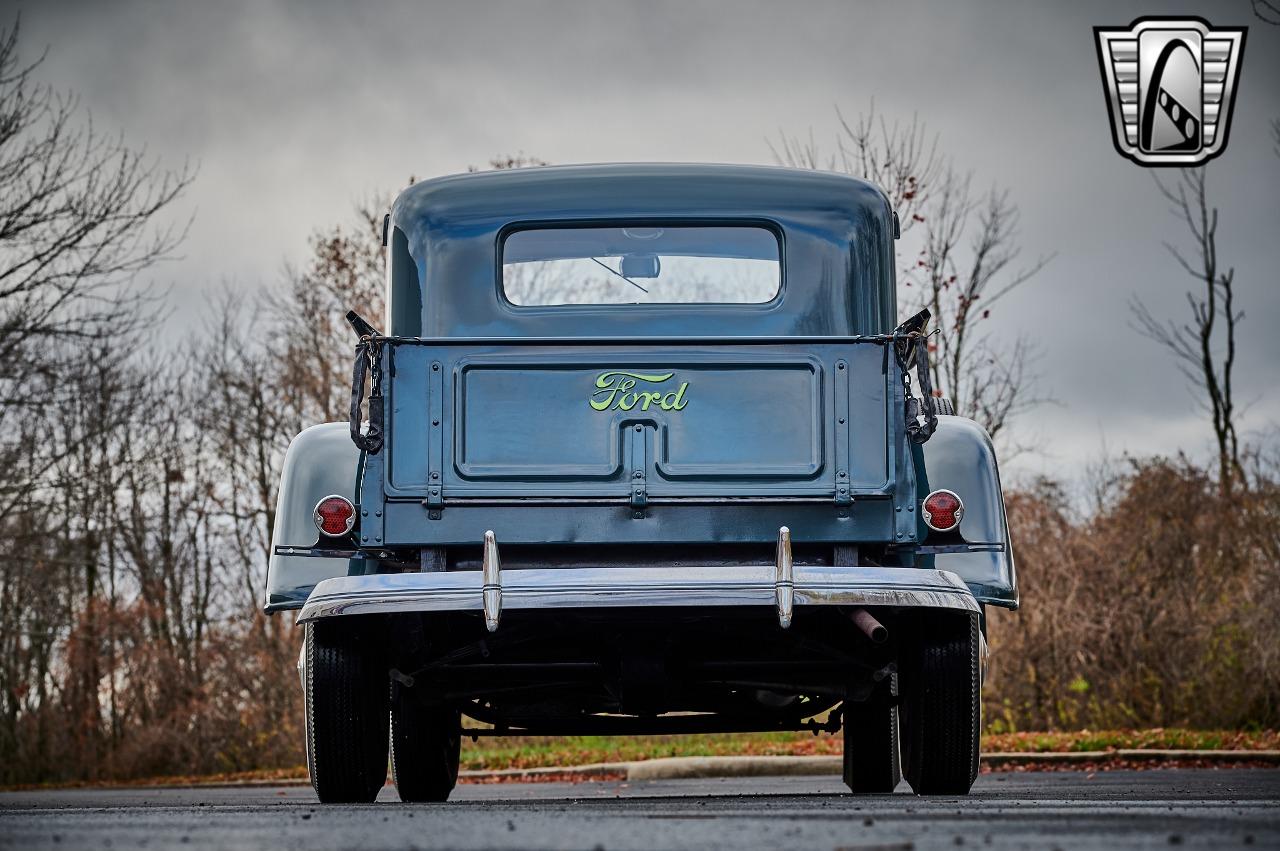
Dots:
{"x": 587, "y": 421}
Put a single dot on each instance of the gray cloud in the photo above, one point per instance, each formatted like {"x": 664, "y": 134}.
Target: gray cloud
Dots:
{"x": 293, "y": 111}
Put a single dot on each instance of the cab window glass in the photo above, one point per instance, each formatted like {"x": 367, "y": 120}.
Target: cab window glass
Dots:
{"x": 641, "y": 264}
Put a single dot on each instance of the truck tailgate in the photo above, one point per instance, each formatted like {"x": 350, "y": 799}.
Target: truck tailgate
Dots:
{"x": 640, "y": 422}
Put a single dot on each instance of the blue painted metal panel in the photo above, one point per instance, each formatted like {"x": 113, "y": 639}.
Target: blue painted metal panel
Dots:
{"x": 533, "y": 522}
{"x": 749, "y": 419}
{"x": 805, "y": 425}
{"x": 835, "y": 232}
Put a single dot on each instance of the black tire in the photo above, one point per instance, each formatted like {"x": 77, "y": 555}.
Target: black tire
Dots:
{"x": 425, "y": 742}
{"x": 942, "y": 707}
{"x": 347, "y": 714}
{"x": 871, "y": 764}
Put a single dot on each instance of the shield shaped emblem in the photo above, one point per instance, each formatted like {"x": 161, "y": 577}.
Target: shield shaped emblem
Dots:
{"x": 1170, "y": 85}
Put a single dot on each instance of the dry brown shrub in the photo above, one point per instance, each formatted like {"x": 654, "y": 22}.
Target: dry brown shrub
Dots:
{"x": 1158, "y": 609}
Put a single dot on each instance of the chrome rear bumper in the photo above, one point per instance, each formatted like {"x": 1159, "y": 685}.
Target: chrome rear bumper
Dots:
{"x": 597, "y": 588}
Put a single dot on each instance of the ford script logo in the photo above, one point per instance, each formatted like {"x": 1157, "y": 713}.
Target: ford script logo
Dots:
{"x": 625, "y": 391}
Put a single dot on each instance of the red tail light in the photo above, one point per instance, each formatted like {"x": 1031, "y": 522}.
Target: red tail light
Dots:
{"x": 335, "y": 516}
{"x": 942, "y": 511}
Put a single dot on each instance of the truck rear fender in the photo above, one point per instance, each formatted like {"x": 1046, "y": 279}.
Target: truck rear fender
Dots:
{"x": 960, "y": 458}
{"x": 320, "y": 462}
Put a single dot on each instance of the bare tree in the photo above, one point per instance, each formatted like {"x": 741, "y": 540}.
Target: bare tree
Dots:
{"x": 509, "y": 161}
{"x": 968, "y": 264}
{"x": 900, "y": 157}
{"x": 80, "y": 219}
{"x": 1267, "y": 11}
{"x": 79, "y": 216}
{"x": 312, "y": 341}
{"x": 139, "y": 485}
{"x": 77, "y": 211}
{"x": 1204, "y": 347}
{"x": 965, "y": 263}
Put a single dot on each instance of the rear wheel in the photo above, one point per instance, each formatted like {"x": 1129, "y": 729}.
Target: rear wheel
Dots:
{"x": 942, "y": 707}
{"x": 347, "y": 710}
{"x": 871, "y": 763}
{"x": 425, "y": 743}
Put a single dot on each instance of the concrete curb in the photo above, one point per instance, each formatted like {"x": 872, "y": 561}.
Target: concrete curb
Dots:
{"x": 672, "y": 768}
{"x": 676, "y": 767}
{"x": 515, "y": 775}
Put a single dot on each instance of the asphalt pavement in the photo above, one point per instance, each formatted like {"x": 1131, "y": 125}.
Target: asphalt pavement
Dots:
{"x": 1224, "y": 808}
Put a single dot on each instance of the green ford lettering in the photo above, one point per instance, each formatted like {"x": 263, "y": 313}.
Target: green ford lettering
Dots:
{"x": 615, "y": 392}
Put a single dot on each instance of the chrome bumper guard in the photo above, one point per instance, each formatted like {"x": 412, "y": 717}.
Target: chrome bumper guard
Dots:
{"x": 782, "y": 586}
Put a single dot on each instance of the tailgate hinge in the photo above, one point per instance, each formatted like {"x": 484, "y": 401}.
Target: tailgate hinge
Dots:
{"x": 843, "y": 489}
{"x": 639, "y": 496}
{"x": 434, "y": 501}
{"x": 435, "y": 442}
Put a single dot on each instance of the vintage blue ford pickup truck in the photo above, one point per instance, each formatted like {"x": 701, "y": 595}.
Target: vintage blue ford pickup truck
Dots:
{"x": 646, "y": 451}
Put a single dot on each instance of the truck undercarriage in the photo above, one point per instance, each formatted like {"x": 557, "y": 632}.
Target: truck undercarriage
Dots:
{"x": 650, "y": 650}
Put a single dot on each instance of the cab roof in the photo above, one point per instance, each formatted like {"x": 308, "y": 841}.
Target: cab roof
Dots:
{"x": 659, "y": 188}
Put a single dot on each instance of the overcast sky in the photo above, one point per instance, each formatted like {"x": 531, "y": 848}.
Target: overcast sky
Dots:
{"x": 293, "y": 111}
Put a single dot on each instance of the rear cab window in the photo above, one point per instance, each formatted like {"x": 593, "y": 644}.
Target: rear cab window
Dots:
{"x": 641, "y": 264}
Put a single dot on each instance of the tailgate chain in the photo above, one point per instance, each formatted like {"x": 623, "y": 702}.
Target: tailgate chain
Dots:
{"x": 368, "y": 361}
{"x": 911, "y": 347}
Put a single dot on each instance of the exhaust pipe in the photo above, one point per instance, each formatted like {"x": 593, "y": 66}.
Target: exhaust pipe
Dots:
{"x": 871, "y": 627}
